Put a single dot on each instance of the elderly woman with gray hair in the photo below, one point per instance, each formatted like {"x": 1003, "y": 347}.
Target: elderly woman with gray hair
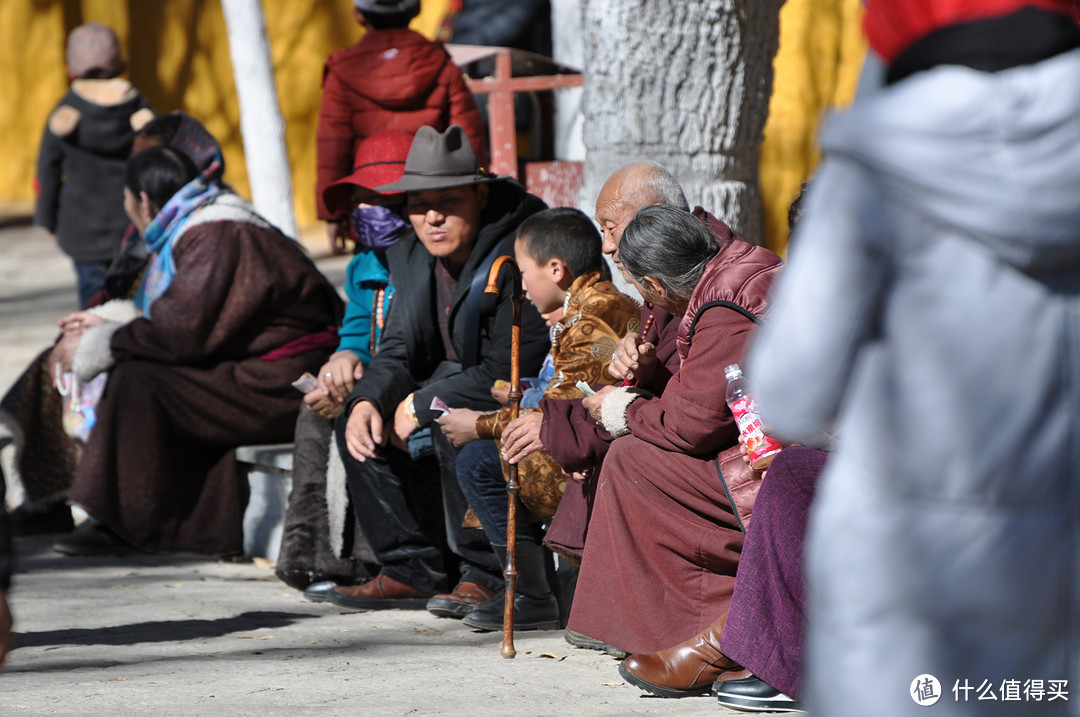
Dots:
{"x": 664, "y": 540}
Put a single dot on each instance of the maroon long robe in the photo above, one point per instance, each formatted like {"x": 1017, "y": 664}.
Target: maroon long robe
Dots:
{"x": 663, "y": 544}
{"x": 189, "y": 387}
{"x": 577, "y": 442}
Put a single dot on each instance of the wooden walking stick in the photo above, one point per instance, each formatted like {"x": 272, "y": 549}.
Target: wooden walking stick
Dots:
{"x": 510, "y": 571}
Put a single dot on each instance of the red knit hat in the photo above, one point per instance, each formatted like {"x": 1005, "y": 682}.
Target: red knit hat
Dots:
{"x": 892, "y": 25}
{"x": 380, "y": 159}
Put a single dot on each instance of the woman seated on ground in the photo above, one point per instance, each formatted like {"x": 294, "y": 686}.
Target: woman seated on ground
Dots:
{"x": 46, "y": 455}
{"x": 233, "y": 312}
{"x": 321, "y": 547}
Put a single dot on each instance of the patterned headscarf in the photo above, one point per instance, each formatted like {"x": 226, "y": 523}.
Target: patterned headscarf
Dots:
{"x": 197, "y": 143}
{"x": 193, "y": 139}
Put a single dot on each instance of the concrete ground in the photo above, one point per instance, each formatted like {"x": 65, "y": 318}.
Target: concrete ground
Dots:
{"x": 175, "y": 635}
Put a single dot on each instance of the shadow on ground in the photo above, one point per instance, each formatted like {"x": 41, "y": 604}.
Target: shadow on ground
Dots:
{"x": 157, "y": 631}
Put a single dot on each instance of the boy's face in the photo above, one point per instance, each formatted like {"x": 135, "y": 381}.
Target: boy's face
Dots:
{"x": 540, "y": 281}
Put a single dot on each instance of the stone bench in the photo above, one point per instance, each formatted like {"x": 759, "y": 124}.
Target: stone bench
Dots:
{"x": 269, "y": 476}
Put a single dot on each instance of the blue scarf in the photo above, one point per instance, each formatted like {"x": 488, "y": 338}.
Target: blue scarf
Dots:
{"x": 161, "y": 234}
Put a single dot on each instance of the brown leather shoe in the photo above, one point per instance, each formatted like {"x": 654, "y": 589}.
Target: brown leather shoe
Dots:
{"x": 379, "y": 593}
{"x": 689, "y": 668}
{"x": 465, "y": 597}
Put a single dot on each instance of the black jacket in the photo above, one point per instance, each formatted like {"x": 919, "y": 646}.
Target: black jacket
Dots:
{"x": 80, "y": 176}
{"x": 411, "y": 356}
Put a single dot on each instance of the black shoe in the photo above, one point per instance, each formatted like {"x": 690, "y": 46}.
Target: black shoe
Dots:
{"x": 457, "y": 603}
{"x": 591, "y": 643}
{"x": 529, "y": 613}
{"x": 752, "y": 694}
{"x": 317, "y": 592}
{"x": 42, "y": 521}
{"x": 91, "y": 538}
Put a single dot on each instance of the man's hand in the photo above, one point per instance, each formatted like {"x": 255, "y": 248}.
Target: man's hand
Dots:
{"x": 633, "y": 359}
{"x": 364, "y": 431}
{"x": 322, "y": 404}
{"x": 336, "y": 232}
{"x": 593, "y": 403}
{"x": 403, "y": 425}
{"x": 339, "y": 374}
{"x": 459, "y": 426}
{"x": 522, "y": 437}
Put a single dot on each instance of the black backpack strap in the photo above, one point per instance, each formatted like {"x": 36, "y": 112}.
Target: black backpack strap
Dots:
{"x": 730, "y": 497}
{"x": 727, "y": 304}
{"x": 690, "y": 340}
{"x": 471, "y": 345}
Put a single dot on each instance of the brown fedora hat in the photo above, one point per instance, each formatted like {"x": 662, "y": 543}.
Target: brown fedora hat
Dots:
{"x": 440, "y": 160}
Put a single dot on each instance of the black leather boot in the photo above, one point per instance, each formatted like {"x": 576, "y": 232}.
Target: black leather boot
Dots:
{"x": 535, "y": 606}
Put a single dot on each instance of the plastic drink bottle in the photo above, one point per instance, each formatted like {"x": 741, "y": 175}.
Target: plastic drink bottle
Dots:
{"x": 761, "y": 448}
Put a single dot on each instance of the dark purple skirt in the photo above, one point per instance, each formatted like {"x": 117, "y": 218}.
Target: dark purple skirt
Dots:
{"x": 767, "y": 621}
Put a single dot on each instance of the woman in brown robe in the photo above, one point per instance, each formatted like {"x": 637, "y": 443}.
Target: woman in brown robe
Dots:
{"x": 664, "y": 541}
{"x": 233, "y": 311}
{"x": 46, "y": 457}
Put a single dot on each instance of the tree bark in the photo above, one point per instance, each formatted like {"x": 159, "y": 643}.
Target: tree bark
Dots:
{"x": 568, "y": 47}
{"x": 261, "y": 123}
{"x": 685, "y": 84}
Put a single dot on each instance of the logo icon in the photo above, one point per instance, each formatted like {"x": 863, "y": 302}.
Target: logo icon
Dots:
{"x": 925, "y": 690}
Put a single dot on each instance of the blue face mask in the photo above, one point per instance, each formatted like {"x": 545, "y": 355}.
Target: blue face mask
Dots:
{"x": 377, "y": 227}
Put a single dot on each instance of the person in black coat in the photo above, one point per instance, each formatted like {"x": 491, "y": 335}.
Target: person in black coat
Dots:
{"x": 84, "y": 148}
{"x": 443, "y": 339}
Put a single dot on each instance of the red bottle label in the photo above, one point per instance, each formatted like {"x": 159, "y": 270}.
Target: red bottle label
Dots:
{"x": 758, "y": 445}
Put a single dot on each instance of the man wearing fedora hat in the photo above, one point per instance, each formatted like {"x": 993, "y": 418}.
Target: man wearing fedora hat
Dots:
{"x": 443, "y": 339}
{"x": 392, "y": 79}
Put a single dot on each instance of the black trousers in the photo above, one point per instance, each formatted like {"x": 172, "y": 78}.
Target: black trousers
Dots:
{"x": 410, "y": 514}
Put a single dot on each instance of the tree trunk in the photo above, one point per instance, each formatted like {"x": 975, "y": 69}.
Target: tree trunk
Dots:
{"x": 685, "y": 84}
{"x": 261, "y": 123}
{"x": 568, "y": 47}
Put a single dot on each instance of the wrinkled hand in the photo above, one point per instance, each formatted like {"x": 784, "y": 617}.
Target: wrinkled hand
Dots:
{"x": 459, "y": 426}
{"x": 755, "y": 474}
{"x": 581, "y": 476}
{"x": 522, "y": 437}
{"x": 337, "y": 233}
{"x": 593, "y": 403}
{"x": 634, "y": 359}
{"x": 553, "y": 317}
{"x": 78, "y": 321}
{"x": 364, "y": 431}
{"x": 344, "y": 369}
{"x": 322, "y": 404}
{"x": 403, "y": 427}
{"x": 63, "y": 352}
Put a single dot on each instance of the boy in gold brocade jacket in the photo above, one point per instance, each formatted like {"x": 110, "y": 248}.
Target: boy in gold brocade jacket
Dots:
{"x": 562, "y": 269}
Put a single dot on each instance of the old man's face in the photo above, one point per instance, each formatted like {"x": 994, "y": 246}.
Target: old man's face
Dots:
{"x": 612, "y": 214}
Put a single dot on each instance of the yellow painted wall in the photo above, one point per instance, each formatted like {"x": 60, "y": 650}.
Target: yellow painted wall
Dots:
{"x": 179, "y": 57}
{"x": 821, "y": 54}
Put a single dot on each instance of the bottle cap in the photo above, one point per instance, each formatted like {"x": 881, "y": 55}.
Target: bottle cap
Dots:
{"x": 732, "y": 371}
